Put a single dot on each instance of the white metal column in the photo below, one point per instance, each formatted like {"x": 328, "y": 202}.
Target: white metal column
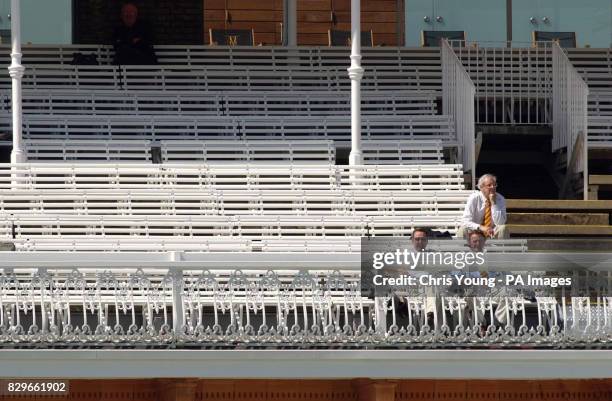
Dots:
{"x": 16, "y": 71}
{"x": 290, "y": 27}
{"x": 355, "y": 74}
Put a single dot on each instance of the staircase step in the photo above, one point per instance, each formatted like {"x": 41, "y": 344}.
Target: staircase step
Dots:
{"x": 569, "y": 245}
{"x": 517, "y": 230}
{"x": 559, "y": 218}
{"x": 558, "y": 205}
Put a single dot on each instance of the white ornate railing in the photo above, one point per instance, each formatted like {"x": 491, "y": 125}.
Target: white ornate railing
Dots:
{"x": 570, "y": 115}
{"x": 458, "y": 93}
{"x": 226, "y": 307}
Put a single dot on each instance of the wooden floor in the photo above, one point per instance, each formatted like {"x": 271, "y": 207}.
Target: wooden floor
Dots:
{"x": 332, "y": 390}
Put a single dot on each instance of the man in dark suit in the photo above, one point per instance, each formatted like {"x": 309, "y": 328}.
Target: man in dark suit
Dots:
{"x": 132, "y": 39}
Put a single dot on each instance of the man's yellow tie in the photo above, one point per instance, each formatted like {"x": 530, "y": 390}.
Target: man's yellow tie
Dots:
{"x": 486, "y": 221}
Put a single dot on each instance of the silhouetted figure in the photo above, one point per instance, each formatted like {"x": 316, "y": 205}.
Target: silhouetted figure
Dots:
{"x": 132, "y": 40}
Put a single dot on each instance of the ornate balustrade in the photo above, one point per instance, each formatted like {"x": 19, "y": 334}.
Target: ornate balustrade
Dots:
{"x": 184, "y": 306}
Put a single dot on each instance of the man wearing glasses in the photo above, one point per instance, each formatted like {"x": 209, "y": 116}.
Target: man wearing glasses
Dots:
{"x": 485, "y": 210}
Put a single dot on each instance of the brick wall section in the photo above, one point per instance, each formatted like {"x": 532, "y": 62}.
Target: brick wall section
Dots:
{"x": 172, "y": 21}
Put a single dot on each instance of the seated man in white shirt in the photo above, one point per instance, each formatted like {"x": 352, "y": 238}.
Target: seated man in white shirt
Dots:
{"x": 485, "y": 210}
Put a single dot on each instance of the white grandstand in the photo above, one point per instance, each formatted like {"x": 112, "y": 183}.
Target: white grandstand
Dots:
{"x": 209, "y": 202}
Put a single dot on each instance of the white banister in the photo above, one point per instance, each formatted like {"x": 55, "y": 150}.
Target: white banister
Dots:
{"x": 570, "y": 94}
{"x": 355, "y": 74}
{"x": 458, "y": 92}
{"x": 16, "y": 71}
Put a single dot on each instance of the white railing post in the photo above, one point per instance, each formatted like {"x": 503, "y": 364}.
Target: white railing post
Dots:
{"x": 458, "y": 95}
{"x": 355, "y": 73}
{"x": 290, "y": 28}
{"x": 570, "y": 96}
{"x": 16, "y": 71}
{"x": 177, "y": 295}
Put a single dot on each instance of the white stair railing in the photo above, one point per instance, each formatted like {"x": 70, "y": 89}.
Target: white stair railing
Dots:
{"x": 458, "y": 92}
{"x": 570, "y": 95}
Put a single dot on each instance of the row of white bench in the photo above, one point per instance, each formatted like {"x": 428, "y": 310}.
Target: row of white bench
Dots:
{"x": 212, "y": 103}
{"x": 234, "y": 56}
{"x": 336, "y": 128}
{"x": 234, "y": 244}
{"x": 236, "y": 151}
{"x": 595, "y": 66}
{"x": 76, "y": 226}
{"x": 483, "y": 62}
{"x": 600, "y": 131}
{"x": 190, "y": 177}
{"x": 186, "y": 78}
{"x": 157, "y": 202}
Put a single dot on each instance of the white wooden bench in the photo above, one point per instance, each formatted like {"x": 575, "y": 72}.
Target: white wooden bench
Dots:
{"x": 75, "y": 226}
{"x": 402, "y": 152}
{"x": 234, "y": 151}
{"x": 264, "y": 152}
{"x": 187, "y": 78}
{"x": 238, "y": 103}
{"x": 67, "y": 226}
{"x": 600, "y": 131}
{"x": 595, "y": 66}
{"x": 123, "y": 151}
{"x": 235, "y": 202}
{"x": 190, "y": 177}
{"x": 198, "y": 55}
{"x": 600, "y": 103}
{"x": 158, "y": 128}
{"x": 277, "y": 78}
{"x": 238, "y": 244}
{"x": 83, "y": 77}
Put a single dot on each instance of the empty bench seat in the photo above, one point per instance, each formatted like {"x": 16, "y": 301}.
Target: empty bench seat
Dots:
{"x": 189, "y": 177}
{"x": 235, "y": 103}
{"x": 234, "y": 202}
{"x": 336, "y": 128}
{"x": 75, "y": 226}
{"x": 265, "y": 152}
{"x": 124, "y": 151}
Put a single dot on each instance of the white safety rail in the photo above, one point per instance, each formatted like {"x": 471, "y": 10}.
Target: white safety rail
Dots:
{"x": 154, "y": 202}
{"x": 293, "y": 304}
{"x": 570, "y": 122}
{"x": 99, "y": 102}
{"x": 263, "y": 152}
{"x": 237, "y": 244}
{"x": 513, "y": 80}
{"x": 88, "y": 151}
{"x": 166, "y": 127}
{"x": 458, "y": 93}
{"x": 186, "y": 177}
{"x": 402, "y": 152}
